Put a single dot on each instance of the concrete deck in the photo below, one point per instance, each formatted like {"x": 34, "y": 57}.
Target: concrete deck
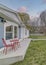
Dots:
{"x": 15, "y": 56}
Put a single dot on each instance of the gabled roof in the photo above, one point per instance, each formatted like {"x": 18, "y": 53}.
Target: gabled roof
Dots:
{"x": 9, "y": 14}
{"x": 6, "y": 8}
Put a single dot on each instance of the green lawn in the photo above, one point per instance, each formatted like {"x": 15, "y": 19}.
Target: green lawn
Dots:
{"x": 37, "y": 37}
{"x": 36, "y": 54}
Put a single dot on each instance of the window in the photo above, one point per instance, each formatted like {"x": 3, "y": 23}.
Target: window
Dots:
{"x": 25, "y": 31}
{"x": 9, "y": 32}
{"x": 15, "y": 31}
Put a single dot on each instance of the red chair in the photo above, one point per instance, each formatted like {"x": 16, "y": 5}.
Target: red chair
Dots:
{"x": 16, "y": 41}
{"x": 6, "y": 46}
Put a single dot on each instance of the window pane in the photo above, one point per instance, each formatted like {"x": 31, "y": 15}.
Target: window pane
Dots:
{"x": 15, "y": 32}
{"x": 8, "y": 36}
{"x": 9, "y": 29}
{"x": 9, "y": 32}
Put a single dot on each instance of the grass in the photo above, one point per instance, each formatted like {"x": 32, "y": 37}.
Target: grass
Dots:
{"x": 37, "y": 37}
{"x": 36, "y": 54}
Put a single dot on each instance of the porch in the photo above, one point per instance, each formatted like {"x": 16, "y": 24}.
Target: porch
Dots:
{"x": 15, "y": 56}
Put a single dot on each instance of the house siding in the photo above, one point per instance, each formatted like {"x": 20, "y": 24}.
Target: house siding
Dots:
{"x": 11, "y": 19}
{"x": 26, "y": 33}
{"x": 22, "y": 33}
{"x": 1, "y": 34}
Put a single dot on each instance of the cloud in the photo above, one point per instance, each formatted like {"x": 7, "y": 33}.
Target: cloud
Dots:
{"x": 22, "y": 9}
{"x": 44, "y": 1}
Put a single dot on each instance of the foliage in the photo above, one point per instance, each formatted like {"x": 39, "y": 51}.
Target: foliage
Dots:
{"x": 28, "y": 27}
{"x": 25, "y": 19}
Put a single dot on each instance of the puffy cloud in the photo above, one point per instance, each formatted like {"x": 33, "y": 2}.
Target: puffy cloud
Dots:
{"x": 44, "y": 1}
{"x": 22, "y": 9}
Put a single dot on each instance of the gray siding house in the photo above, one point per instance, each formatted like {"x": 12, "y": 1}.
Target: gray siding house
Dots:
{"x": 11, "y": 25}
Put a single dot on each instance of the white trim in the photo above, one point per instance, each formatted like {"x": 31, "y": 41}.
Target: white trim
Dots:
{"x": 8, "y": 23}
{"x": 13, "y": 31}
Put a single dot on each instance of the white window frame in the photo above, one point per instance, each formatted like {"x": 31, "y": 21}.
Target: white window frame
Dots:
{"x": 7, "y": 24}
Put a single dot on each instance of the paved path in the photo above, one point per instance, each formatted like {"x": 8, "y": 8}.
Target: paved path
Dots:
{"x": 37, "y": 39}
{"x": 36, "y": 34}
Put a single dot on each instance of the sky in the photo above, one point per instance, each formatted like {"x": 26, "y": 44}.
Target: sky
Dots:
{"x": 33, "y": 7}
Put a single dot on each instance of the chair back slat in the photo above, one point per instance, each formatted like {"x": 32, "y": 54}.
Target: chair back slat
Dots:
{"x": 4, "y": 42}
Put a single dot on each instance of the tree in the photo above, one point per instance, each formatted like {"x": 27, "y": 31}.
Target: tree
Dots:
{"x": 25, "y": 19}
{"x": 43, "y": 18}
{"x": 43, "y": 21}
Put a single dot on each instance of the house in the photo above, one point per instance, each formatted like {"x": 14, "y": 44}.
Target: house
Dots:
{"x": 11, "y": 25}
